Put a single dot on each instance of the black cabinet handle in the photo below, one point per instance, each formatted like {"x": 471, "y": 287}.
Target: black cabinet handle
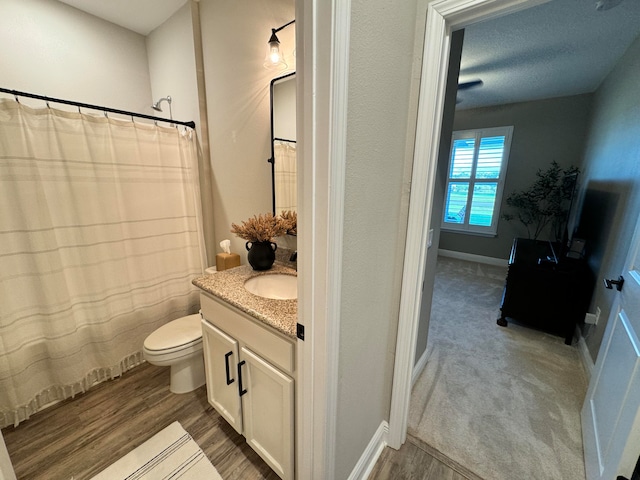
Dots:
{"x": 226, "y": 367}
{"x": 241, "y": 391}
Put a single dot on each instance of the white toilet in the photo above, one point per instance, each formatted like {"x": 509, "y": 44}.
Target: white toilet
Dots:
{"x": 178, "y": 344}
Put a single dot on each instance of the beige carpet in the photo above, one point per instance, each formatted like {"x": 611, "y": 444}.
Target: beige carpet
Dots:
{"x": 503, "y": 402}
{"x": 170, "y": 454}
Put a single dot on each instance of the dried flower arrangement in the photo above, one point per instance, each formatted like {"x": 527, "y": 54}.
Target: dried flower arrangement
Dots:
{"x": 291, "y": 221}
{"x": 260, "y": 228}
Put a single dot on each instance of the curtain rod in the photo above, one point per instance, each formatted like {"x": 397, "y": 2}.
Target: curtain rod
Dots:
{"x": 190, "y": 124}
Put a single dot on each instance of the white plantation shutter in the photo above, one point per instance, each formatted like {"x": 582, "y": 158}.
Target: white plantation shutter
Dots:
{"x": 475, "y": 180}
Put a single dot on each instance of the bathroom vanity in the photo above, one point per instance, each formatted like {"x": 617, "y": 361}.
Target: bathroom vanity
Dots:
{"x": 249, "y": 352}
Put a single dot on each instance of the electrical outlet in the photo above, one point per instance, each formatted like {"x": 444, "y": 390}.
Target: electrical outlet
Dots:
{"x": 590, "y": 319}
{"x": 598, "y": 311}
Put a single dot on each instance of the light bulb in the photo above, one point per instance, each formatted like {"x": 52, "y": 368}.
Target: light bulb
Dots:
{"x": 274, "y": 57}
{"x": 274, "y": 52}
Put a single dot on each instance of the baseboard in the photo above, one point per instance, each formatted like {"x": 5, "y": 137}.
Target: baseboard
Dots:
{"x": 371, "y": 454}
{"x": 418, "y": 367}
{"x": 585, "y": 356}
{"x": 471, "y": 257}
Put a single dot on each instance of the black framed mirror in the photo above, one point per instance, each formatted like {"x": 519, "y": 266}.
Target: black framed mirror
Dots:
{"x": 283, "y": 143}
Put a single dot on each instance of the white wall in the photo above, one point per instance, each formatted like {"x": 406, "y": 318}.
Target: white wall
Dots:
{"x": 234, "y": 37}
{"x": 51, "y": 49}
{"x": 173, "y": 50}
{"x": 172, "y": 66}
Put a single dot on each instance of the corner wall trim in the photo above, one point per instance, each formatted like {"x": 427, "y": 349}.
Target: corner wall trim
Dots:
{"x": 470, "y": 257}
{"x": 585, "y": 356}
{"x": 371, "y": 454}
{"x": 419, "y": 366}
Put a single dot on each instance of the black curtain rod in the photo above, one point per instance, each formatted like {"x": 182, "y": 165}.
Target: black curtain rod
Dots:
{"x": 190, "y": 124}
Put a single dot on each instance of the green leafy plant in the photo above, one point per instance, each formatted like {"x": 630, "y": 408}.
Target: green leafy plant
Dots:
{"x": 545, "y": 203}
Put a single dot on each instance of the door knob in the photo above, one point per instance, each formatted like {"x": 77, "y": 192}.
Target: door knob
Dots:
{"x": 608, "y": 283}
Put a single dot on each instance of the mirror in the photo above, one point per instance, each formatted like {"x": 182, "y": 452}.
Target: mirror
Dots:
{"x": 283, "y": 143}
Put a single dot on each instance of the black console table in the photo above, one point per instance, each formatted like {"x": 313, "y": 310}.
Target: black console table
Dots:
{"x": 544, "y": 290}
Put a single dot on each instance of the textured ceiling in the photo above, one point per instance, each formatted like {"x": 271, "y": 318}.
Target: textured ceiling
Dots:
{"x": 563, "y": 47}
{"x": 141, "y": 16}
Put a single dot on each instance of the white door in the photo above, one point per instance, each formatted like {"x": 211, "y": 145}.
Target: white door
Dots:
{"x": 611, "y": 412}
{"x": 267, "y": 404}
{"x": 220, "y": 365}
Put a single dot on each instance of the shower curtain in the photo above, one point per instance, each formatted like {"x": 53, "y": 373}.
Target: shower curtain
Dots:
{"x": 285, "y": 176}
{"x": 100, "y": 236}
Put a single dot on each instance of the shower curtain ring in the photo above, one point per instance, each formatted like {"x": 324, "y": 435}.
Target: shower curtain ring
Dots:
{"x": 48, "y": 106}
{"x": 16, "y": 97}
{"x": 105, "y": 114}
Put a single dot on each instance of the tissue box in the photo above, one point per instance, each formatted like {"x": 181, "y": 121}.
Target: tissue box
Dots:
{"x": 225, "y": 261}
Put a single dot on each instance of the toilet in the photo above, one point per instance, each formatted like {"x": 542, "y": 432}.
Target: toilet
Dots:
{"x": 178, "y": 344}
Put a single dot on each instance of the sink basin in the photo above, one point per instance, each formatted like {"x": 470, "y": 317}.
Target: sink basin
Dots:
{"x": 276, "y": 285}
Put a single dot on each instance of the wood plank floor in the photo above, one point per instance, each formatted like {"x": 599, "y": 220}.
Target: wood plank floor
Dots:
{"x": 416, "y": 460}
{"x": 80, "y": 437}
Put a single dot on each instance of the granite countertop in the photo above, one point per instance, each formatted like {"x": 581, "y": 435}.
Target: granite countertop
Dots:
{"x": 229, "y": 286}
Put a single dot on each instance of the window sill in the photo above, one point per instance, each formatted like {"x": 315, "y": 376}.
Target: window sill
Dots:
{"x": 467, "y": 232}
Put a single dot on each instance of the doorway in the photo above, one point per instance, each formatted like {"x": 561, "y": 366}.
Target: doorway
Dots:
{"x": 442, "y": 18}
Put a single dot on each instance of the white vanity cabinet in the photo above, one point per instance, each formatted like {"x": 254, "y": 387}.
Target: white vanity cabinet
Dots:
{"x": 250, "y": 380}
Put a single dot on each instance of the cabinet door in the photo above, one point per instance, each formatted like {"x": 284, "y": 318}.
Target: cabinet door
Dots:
{"x": 220, "y": 363}
{"x": 268, "y": 412}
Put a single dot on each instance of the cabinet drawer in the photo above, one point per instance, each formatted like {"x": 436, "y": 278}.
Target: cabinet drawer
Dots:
{"x": 260, "y": 338}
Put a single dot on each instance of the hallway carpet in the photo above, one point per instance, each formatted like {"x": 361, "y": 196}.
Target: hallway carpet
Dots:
{"x": 503, "y": 402}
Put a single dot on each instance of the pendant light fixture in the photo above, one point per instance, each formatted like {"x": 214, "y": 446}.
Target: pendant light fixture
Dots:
{"x": 274, "y": 58}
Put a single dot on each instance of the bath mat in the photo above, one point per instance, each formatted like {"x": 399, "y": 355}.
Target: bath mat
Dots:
{"x": 171, "y": 453}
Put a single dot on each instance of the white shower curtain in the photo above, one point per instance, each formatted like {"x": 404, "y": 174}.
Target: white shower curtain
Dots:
{"x": 100, "y": 236}
{"x": 285, "y": 176}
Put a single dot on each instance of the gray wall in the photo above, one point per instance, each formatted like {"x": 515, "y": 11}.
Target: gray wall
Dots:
{"x": 438, "y": 196}
{"x": 544, "y": 131}
{"x": 375, "y": 218}
{"x": 611, "y": 187}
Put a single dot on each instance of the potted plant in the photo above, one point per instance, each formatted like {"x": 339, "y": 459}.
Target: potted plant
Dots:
{"x": 259, "y": 231}
{"x": 545, "y": 205}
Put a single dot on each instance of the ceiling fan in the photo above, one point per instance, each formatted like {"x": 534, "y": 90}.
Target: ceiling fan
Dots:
{"x": 470, "y": 84}
{"x": 467, "y": 85}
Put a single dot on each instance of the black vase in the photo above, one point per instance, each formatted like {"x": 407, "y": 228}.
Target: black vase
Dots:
{"x": 261, "y": 254}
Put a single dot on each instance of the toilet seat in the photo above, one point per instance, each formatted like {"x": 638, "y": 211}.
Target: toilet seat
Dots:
{"x": 176, "y": 339}
{"x": 178, "y": 344}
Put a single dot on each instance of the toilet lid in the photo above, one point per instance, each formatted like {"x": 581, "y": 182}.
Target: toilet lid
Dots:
{"x": 178, "y": 332}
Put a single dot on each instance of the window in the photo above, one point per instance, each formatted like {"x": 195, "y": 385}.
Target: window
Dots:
{"x": 475, "y": 180}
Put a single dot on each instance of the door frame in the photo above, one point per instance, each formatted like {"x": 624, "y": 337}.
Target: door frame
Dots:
{"x": 442, "y": 17}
